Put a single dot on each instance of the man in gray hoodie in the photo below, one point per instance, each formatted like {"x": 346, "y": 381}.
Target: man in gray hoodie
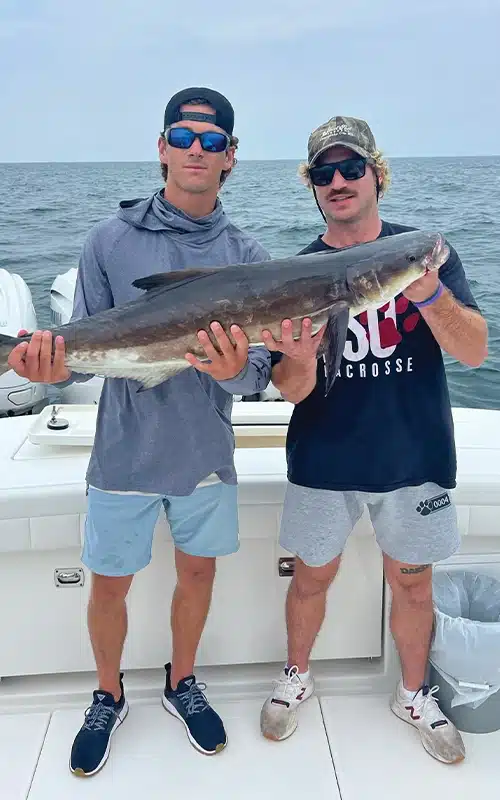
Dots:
{"x": 170, "y": 445}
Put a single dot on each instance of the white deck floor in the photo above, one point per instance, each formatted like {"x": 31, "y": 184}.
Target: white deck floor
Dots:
{"x": 348, "y": 747}
{"x": 379, "y": 757}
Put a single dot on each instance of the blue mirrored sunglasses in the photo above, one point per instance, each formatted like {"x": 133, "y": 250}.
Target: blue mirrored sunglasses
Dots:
{"x": 211, "y": 141}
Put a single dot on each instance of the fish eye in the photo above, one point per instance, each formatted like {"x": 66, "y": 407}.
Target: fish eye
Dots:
{"x": 411, "y": 258}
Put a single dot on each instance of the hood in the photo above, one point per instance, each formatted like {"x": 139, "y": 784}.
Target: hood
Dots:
{"x": 157, "y": 214}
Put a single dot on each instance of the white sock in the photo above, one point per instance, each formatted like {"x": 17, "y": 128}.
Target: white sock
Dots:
{"x": 304, "y": 676}
{"x": 408, "y": 692}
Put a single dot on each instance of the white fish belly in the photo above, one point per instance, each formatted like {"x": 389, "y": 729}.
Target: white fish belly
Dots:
{"x": 143, "y": 364}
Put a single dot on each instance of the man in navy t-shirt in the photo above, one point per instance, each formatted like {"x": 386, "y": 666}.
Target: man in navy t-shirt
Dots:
{"x": 383, "y": 438}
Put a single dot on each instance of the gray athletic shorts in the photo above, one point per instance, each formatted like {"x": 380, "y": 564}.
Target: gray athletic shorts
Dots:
{"x": 415, "y": 524}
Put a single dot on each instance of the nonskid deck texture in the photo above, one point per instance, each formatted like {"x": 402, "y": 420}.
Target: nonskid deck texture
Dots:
{"x": 348, "y": 747}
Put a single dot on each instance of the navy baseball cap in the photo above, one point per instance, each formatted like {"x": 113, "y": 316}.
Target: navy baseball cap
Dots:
{"x": 224, "y": 113}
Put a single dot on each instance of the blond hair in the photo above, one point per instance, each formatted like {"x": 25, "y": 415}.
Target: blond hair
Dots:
{"x": 377, "y": 161}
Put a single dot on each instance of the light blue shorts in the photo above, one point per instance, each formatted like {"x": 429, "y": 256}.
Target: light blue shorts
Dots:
{"x": 119, "y": 527}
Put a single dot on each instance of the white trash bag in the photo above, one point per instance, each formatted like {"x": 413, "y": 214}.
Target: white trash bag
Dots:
{"x": 465, "y": 648}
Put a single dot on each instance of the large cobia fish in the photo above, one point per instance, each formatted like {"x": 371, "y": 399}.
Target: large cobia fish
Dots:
{"x": 147, "y": 338}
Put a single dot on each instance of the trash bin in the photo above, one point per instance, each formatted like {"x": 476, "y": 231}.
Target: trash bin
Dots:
{"x": 464, "y": 658}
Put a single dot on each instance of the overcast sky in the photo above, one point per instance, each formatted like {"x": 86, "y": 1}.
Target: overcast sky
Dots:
{"x": 88, "y": 81}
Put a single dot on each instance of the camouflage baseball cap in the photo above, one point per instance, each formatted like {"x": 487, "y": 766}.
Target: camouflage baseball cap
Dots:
{"x": 347, "y": 131}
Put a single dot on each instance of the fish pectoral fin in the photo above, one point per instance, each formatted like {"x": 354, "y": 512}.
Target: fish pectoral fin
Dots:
{"x": 333, "y": 343}
{"x": 168, "y": 280}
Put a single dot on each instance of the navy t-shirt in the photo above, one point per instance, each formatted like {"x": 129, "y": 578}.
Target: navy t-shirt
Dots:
{"x": 387, "y": 421}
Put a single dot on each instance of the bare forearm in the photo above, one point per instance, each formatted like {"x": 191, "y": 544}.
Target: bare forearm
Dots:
{"x": 294, "y": 379}
{"x": 460, "y": 331}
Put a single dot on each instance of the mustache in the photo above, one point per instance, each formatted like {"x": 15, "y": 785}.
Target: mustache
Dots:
{"x": 334, "y": 195}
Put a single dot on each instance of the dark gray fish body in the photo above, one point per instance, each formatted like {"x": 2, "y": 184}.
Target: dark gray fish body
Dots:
{"x": 146, "y": 339}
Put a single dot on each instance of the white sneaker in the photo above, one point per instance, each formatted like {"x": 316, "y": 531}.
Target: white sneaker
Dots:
{"x": 439, "y": 736}
{"x": 278, "y": 717}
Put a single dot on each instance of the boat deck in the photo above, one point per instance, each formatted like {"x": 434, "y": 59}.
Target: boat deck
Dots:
{"x": 346, "y": 746}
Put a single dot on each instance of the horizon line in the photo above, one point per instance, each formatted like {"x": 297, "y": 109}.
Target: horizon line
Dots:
{"x": 242, "y": 160}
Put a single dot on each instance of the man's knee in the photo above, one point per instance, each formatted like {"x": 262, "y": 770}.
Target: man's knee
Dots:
{"x": 411, "y": 582}
{"x": 309, "y": 581}
{"x": 194, "y": 569}
{"x": 108, "y": 590}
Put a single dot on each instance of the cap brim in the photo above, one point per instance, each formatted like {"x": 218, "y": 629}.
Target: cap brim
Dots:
{"x": 340, "y": 143}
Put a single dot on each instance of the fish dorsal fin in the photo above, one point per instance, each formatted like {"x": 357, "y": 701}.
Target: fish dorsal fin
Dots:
{"x": 168, "y": 280}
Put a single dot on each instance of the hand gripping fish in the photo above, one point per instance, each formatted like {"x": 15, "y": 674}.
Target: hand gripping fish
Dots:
{"x": 146, "y": 339}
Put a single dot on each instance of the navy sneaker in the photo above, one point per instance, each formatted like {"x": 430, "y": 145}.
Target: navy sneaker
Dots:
{"x": 92, "y": 743}
{"x": 188, "y": 703}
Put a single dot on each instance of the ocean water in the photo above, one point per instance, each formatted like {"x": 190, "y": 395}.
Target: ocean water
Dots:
{"x": 46, "y": 211}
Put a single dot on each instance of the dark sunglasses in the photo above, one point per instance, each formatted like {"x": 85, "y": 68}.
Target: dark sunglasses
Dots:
{"x": 351, "y": 169}
{"x": 211, "y": 141}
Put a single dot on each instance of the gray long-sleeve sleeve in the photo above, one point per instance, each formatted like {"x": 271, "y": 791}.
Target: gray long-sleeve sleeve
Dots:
{"x": 255, "y": 375}
{"x": 92, "y": 291}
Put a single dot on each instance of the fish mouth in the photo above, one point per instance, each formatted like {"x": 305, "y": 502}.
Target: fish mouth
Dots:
{"x": 439, "y": 255}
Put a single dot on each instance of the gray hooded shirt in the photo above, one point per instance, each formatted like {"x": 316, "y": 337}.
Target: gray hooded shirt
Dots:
{"x": 167, "y": 439}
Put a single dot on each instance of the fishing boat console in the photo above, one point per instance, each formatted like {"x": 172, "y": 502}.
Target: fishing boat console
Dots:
{"x": 42, "y": 512}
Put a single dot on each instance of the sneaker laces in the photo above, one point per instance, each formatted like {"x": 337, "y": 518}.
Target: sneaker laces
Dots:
{"x": 193, "y": 700}
{"x": 428, "y": 706}
{"x": 97, "y": 717}
{"x": 287, "y": 684}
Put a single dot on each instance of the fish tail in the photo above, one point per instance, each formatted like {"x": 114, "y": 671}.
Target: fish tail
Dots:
{"x": 7, "y": 343}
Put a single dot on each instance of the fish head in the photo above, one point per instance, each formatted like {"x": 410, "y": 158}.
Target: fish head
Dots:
{"x": 399, "y": 261}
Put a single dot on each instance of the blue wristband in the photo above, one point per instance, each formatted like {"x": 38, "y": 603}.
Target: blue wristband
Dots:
{"x": 432, "y": 299}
